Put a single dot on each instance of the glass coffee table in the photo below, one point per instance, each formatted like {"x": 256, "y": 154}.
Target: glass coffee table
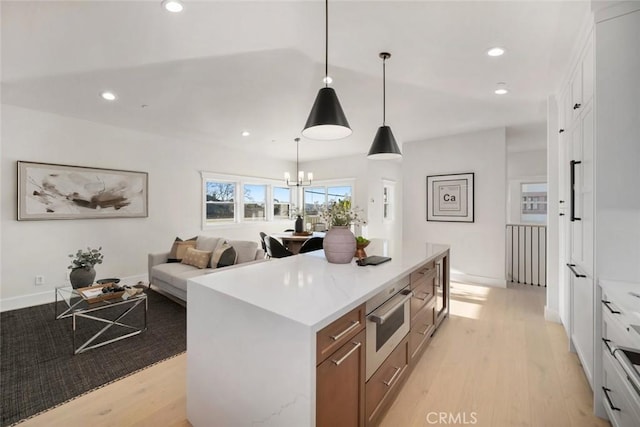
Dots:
{"x": 75, "y": 306}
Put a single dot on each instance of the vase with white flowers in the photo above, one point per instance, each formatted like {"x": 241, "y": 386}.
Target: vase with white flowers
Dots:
{"x": 339, "y": 242}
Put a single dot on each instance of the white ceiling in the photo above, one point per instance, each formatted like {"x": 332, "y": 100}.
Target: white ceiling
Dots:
{"x": 221, "y": 67}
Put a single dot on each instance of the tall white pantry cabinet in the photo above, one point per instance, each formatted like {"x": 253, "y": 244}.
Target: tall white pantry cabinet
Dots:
{"x": 598, "y": 120}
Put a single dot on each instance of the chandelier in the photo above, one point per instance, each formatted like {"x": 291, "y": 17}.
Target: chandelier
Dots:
{"x": 299, "y": 182}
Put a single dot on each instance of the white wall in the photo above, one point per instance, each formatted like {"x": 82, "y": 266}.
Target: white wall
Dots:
{"x": 526, "y": 163}
{"x": 523, "y": 164}
{"x": 31, "y": 248}
{"x": 477, "y": 249}
{"x": 554, "y": 309}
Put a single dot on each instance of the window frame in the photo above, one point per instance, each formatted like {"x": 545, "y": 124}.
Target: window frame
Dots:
{"x": 338, "y": 182}
{"x": 239, "y": 182}
{"x": 390, "y": 186}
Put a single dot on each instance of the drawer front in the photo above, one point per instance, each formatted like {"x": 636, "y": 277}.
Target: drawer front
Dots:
{"x": 618, "y": 320}
{"x": 613, "y": 330}
{"x": 422, "y": 326}
{"x": 384, "y": 385}
{"x": 425, "y": 273}
{"x": 333, "y": 336}
{"x": 340, "y": 386}
{"x": 616, "y": 398}
{"x": 421, "y": 296}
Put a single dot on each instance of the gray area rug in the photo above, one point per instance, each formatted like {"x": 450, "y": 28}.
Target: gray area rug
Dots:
{"x": 39, "y": 371}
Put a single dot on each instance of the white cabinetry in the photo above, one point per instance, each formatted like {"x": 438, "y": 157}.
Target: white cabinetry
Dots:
{"x": 621, "y": 397}
{"x": 578, "y": 169}
{"x": 598, "y": 182}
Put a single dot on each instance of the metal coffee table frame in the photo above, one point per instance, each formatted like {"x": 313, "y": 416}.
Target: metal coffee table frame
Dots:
{"x": 82, "y": 308}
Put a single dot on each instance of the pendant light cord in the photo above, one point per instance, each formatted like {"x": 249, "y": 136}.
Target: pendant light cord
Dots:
{"x": 384, "y": 90}
{"x": 326, "y": 43}
{"x": 297, "y": 161}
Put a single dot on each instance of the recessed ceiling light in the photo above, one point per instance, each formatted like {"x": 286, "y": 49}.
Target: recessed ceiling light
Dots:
{"x": 495, "y": 51}
{"x": 501, "y": 89}
{"x": 327, "y": 80}
{"x": 245, "y": 133}
{"x": 172, "y": 5}
{"x": 109, "y": 96}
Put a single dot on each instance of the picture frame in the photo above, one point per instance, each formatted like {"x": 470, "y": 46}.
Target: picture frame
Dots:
{"x": 450, "y": 198}
{"x": 55, "y": 191}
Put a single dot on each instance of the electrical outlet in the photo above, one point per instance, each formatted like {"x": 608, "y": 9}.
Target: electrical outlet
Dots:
{"x": 39, "y": 280}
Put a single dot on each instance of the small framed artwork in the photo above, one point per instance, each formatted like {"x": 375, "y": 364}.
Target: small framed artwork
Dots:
{"x": 450, "y": 197}
{"x": 51, "y": 191}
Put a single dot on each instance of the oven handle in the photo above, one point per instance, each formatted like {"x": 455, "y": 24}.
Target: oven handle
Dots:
{"x": 403, "y": 297}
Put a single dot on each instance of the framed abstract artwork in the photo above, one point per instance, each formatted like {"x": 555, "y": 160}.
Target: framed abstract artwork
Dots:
{"x": 450, "y": 198}
{"x": 52, "y": 191}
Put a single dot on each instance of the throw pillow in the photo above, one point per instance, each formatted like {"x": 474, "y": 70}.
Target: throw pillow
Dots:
{"x": 223, "y": 256}
{"x": 179, "y": 247}
{"x": 196, "y": 258}
{"x": 245, "y": 249}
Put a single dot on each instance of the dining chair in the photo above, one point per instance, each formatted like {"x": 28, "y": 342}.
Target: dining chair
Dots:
{"x": 312, "y": 244}
{"x": 264, "y": 246}
{"x": 275, "y": 249}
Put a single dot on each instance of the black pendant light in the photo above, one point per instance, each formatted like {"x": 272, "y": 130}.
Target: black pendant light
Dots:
{"x": 384, "y": 146}
{"x": 326, "y": 120}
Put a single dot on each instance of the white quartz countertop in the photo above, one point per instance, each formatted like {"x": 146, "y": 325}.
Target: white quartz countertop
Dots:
{"x": 311, "y": 291}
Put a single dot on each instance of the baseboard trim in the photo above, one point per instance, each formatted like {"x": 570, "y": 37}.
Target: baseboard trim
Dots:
{"x": 45, "y": 297}
{"x": 551, "y": 315}
{"x": 478, "y": 280}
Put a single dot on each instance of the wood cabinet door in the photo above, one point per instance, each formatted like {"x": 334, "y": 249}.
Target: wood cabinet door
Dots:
{"x": 340, "y": 386}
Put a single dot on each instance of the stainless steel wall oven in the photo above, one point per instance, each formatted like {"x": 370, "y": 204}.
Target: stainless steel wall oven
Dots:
{"x": 388, "y": 322}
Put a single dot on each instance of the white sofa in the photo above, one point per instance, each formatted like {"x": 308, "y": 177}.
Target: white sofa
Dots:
{"x": 171, "y": 277}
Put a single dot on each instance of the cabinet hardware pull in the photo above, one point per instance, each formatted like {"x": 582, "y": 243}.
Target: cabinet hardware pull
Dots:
{"x": 573, "y": 164}
{"x": 561, "y": 214}
{"x": 606, "y": 395}
{"x": 404, "y": 296}
{"x": 426, "y": 294}
{"x": 354, "y": 325}
{"x": 425, "y": 271}
{"x": 606, "y": 343}
{"x": 393, "y": 377}
{"x": 426, "y": 330}
{"x": 576, "y": 106}
{"x": 573, "y": 270}
{"x": 356, "y": 345}
{"x": 561, "y": 201}
{"x": 561, "y": 130}
{"x": 606, "y": 304}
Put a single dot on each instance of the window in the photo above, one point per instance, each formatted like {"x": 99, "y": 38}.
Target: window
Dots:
{"x": 281, "y": 203}
{"x": 533, "y": 202}
{"x": 387, "y": 200}
{"x": 234, "y": 199}
{"x": 335, "y": 194}
{"x": 316, "y": 199}
{"x": 255, "y": 200}
{"x": 220, "y": 201}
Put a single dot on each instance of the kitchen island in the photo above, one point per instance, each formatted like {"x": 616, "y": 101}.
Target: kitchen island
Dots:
{"x": 253, "y": 332}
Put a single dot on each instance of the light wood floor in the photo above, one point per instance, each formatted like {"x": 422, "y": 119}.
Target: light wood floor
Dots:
{"x": 495, "y": 362}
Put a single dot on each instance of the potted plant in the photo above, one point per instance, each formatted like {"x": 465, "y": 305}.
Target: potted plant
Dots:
{"x": 82, "y": 271}
{"x": 361, "y": 243}
{"x": 339, "y": 242}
